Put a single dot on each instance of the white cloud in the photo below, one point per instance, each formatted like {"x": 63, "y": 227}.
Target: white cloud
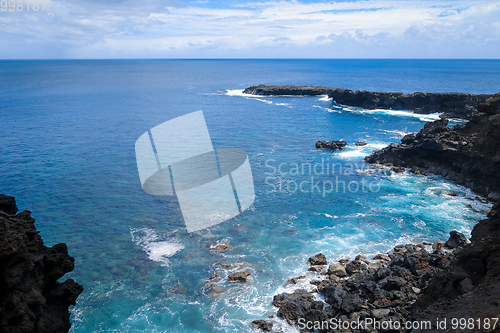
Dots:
{"x": 155, "y": 28}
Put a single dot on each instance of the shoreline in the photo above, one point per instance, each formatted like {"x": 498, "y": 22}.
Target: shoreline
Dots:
{"x": 456, "y": 279}
{"x": 452, "y": 105}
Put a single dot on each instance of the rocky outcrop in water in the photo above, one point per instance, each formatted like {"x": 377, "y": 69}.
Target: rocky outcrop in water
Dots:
{"x": 459, "y": 105}
{"x": 332, "y": 145}
{"x": 468, "y": 154}
{"x": 31, "y": 298}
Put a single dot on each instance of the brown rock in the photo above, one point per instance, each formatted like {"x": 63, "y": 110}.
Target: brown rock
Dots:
{"x": 318, "y": 259}
{"x": 240, "y": 276}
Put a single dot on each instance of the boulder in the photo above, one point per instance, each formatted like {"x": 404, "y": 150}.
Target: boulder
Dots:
{"x": 221, "y": 246}
{"x": 457, "y": 239}
{"x": 337, "y": 270}
{"x": 317, "y": 260}
{"x": 239, "y": 276}
{"x": 293, "y": 306}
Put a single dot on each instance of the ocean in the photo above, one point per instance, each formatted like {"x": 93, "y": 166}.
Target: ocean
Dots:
{"x": 67, "y": 136}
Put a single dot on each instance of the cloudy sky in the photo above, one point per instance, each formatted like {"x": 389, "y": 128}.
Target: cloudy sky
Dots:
{"x": 260, "y": 29}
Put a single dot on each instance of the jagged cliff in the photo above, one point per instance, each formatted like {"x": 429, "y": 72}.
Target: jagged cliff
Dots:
{"x": 468, "y": 154}
{"x": 458, "y": 105}
{"x": 31, "y": 298}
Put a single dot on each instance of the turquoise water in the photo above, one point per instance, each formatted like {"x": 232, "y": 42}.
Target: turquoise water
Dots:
{"x": 67, "y": 136}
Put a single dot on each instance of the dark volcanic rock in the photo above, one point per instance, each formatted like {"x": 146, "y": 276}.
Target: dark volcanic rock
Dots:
{"x": 471, "y": 286}
{"x": 239, "y": 276}
{"x": 452, "y": 104}
{"x": 415, "y": 285}
{"x": 468, "y": 154}
{"x": 263, "y": 325}
{"x": 318, "y": 259}
{"x": 457, "y": 239}
{"x": 31, "y": 298}
{"x": 293, "y": 306}
{"x": 333, "y": 145}
{"x": 8, "y": 204}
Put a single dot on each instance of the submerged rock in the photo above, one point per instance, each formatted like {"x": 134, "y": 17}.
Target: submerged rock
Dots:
{"x": 215, "y": 289}
{"x": 221, "y": 246}
{"x": 360, "y": 143}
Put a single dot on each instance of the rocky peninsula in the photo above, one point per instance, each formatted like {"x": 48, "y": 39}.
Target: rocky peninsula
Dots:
{"x": 456, "y": 105}
{"x": 31, "y": 298}
{"x": 424, "y": 283}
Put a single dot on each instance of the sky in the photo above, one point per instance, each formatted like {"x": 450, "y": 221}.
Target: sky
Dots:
{"x": 101, "y": 29}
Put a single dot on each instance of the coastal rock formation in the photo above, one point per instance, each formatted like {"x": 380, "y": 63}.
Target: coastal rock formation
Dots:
{"x": 384, "y": 290}
{"x": 458, "y": 105}
{"x": 411, "y": 283}
{"x": 239, "y": 276}
{"x": 31, "y": 298}
{"x": 470, "y": 288}
{"x": 452, "y": 279}
{"x": 332, "y": 145}
{"x": 467, "y": 154}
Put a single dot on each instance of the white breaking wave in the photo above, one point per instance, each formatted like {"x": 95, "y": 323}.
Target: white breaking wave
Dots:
{"x": 397, "y": 113}
{"x": 158, "y": 251}
{"x": 264, "y": 100}
{"x": 398, "y": 134}
{"x": 238, "y": 92}
{"x": 353, "y": 151}
{"x": 325, "y": 98}
{"x": 327, "y": 109}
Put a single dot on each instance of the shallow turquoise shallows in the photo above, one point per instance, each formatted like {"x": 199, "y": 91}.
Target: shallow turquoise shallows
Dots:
{"x": 67, "y": 135}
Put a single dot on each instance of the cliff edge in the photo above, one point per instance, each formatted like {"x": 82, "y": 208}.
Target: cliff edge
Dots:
{"x": 31, "y": 298}
{"x": 467, "y": 154}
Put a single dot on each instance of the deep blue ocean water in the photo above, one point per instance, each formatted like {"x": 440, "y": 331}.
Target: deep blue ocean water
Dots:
{"x": 67, "y": 135}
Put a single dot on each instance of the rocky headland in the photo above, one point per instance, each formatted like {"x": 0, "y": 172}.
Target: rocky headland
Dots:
{"x": 31, "y": 298}
{"x": 467, "y": 154}
{"x": 456, "y": 105}
{"x": 416, "y": 282}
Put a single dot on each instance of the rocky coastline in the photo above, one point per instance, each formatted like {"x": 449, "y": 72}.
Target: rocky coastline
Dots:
{"x": 455, "y": 105}
{"x": 467, "y": 154}
{"x": 424, "y": 283}
{"x": 31, "y": 298}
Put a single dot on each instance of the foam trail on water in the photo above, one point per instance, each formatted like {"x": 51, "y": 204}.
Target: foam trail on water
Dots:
{"x": 355, "y": 152}
{"x": 386, "y": 112}
{"x": 158, "y": 251}
{"x": 238, "y": 92}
